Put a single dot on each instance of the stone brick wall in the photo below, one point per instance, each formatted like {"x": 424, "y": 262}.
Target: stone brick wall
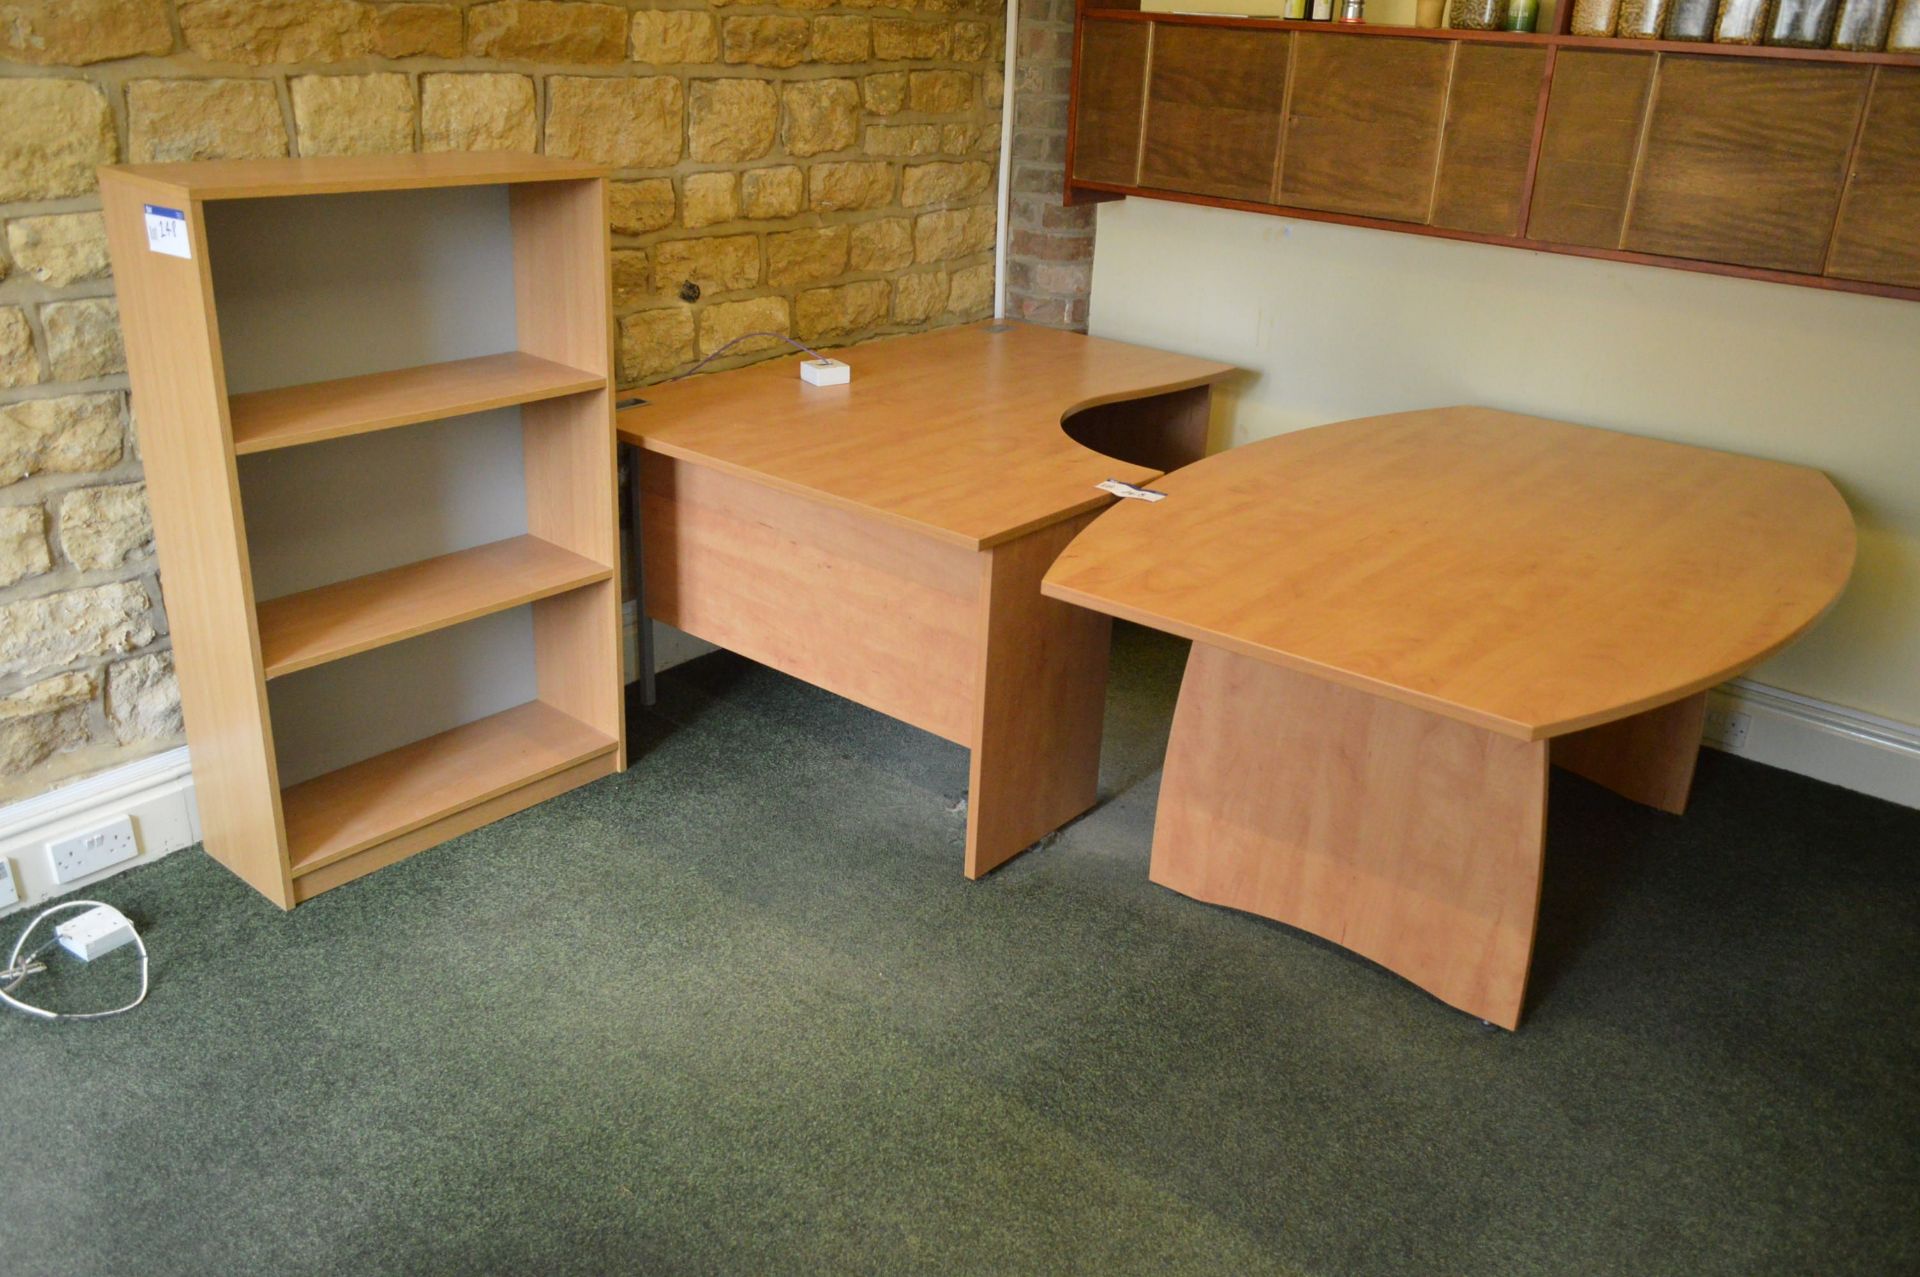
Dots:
{"x": 818, "y": 167}
{"x": 1049, "y": 245}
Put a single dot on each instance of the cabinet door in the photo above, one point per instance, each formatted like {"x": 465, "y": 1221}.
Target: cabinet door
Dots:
{"x": 1744, "y": 161}
{"x": 1594, "y": 115}
{"x": 1363, "y": 126}
{"x": 1491, "y": 109}
{"x": 1214, "y": 97}
{"x": 1878, "y": 235}
{"x": 1112, "y": 90}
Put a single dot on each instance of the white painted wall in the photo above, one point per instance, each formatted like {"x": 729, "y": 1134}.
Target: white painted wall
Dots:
{"x": 1334, "y": 322}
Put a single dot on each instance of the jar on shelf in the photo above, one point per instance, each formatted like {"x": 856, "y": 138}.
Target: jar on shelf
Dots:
{"x": 1802, "y": 24}
{"x": 1429, "y": 13}
{"x": 1692, "y": 19}
{"x": 1522, "y": 15}
{"x": 1595, "y": 17}
{"x": 1904, "y": 35}
{"x": 1742, "y": 21}
{"x": 1862, "y": 25}
{"x": 1642, "y": 19}
{"x": 1476, "y": 15}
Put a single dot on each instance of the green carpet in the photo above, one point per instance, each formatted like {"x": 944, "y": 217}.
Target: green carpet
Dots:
{"x": 737, "y": 1011}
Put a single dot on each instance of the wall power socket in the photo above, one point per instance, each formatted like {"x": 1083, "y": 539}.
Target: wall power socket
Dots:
{"x": 92, "y": 851}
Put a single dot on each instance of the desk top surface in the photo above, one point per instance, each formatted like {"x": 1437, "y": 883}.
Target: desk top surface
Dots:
{"x": 1527, "y": 576}
{"x": 955, "y": 433}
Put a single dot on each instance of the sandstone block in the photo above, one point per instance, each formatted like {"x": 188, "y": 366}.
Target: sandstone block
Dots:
{"x": 975, "y": 42}
{"x": 885, "y": 93}
{"x": 143, "y": 699}
{"x": 709, "y": 199}
{"x": 79, "y": 32}
{"x": 883, "y": 245}
{"x": 621, "y": 123}
{"x": 632, "y": 277}
{"x": 83, "y": 339}
{"x": 718, "y": 263}
{"x": 23, "y": 543}
{"x": 724, "y": 323}
{"x": 822, "y": 314}
{"x": 417, "y": 30}
{"x": 353, "y": 114}
{"x": 807, "y": 257}
{"x": 39, "y": 721}
{"x": 639, "y": 207}
{"x": 265, "y": 32}
{"x": 920, "y": 296}
{"x": 840, "y": 39}
{"x": 772, "y": 192}
{"x": 547, "y": 31}
{"x": 958, "y": 139}
{"x": 821, "y": 115}
{"x": 764, "y": 41}
{"x": 52, "y": 135}
{"x": 952, "y": 233}
{"x": 70, "y": 434}
{"x": 971, "y": 293}
{"x": 904, "y": 40}
{"x": 203, "y": 120}
{"x": 102, "y": 528}
{"x": 490, "y": 111}
{"x": 60, "y": 248}
{"x": 850, "y": 184}
{"x": 732, "y": 120}
{"x": 55, "y": 630}
{"x": 19, "y": 364}
{"x": 675, "y": 37}
{"x": 993, "y": 87}
{"x": 940, "y": 92}
{"x": 903, "y": 140}
{"x": 653, "y": 342}
{"x": 923, "y": 184}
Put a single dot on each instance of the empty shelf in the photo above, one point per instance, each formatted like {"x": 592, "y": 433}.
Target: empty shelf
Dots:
{"x": 392, "y": 794}
{"x": 321, "y": 410}
{"x": 334, "y": 621}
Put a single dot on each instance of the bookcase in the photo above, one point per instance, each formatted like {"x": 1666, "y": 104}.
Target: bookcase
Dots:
{"x": 375, "y": 410}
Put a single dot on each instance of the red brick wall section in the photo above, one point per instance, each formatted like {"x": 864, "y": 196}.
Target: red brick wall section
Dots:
{"x": 1049, "y": 245}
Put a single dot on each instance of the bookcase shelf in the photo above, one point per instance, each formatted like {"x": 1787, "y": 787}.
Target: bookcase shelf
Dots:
{"x": 320, "y": 410}
{"x": 315, "y": 626}
{"x": 295, "y": 838}
{"x": 390, "y": 795}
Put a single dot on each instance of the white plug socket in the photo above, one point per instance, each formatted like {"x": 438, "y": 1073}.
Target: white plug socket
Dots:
{"x": 92, "y": 851}
{"x": 99, "y": 930}
{"x": 825, "y": 372}
{"x": 9, "y": 890}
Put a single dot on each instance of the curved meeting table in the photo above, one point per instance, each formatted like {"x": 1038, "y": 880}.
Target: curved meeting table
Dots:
{"x": 1398, "y": 621}
{"x": 885, "y": 539}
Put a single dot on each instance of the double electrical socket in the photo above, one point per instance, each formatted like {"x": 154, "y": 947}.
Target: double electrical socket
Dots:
{"x": 92, "y": 851}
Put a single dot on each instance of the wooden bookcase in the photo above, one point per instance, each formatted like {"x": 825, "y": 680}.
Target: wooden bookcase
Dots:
{"x": 1793, "y": 166}
{"x": 294, "y": 841}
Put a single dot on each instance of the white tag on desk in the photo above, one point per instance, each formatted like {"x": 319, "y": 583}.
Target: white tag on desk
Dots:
{"x": 1130, "y": 492}
{"x": 167, "y": 231}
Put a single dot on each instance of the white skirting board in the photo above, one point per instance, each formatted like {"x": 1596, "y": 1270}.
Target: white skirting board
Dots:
{"x": 1781, "y": 729}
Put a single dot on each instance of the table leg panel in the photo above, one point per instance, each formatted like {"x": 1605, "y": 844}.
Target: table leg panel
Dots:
{"x": 1409, "y": 838}
{"x": 1041, "y": 701}
{"x": 1648, "y": 758}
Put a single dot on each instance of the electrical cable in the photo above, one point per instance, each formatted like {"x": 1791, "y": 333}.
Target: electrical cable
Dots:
{"x": 17, "y": 969}
{"x": 735, "y": 342}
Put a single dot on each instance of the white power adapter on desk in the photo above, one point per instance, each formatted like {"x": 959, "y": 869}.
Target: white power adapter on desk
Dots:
{"x": 825, "y": 372}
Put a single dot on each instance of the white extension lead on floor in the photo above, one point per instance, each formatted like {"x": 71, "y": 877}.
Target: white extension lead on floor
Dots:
{"x": 100, "y": 930}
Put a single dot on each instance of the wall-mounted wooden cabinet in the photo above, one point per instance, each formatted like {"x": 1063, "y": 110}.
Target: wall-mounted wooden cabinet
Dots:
{"x": 1782, "y": 164}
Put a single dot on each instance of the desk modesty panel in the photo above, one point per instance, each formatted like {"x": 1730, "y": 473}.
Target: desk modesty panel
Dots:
{"x": 1399, "y": 621}
{"x": 885, "y": 539}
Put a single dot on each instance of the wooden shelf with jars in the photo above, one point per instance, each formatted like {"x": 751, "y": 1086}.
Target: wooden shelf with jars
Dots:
{"x": 1789, "y": 165}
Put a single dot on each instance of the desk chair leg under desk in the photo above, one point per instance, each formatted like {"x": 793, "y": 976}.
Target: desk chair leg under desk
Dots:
{"x": 956, "y": 641}
{"x": 637, "y": 576}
